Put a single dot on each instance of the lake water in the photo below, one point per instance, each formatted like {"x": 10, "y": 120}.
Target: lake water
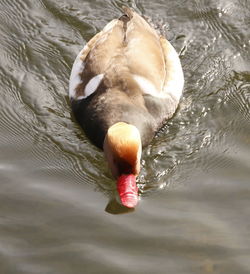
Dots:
{"x": 194, "y": 213}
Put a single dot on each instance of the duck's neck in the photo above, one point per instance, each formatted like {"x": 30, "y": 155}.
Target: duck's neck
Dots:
{"x": 96, "y": 120}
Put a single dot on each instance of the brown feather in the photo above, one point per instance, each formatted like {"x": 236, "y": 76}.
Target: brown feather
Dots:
{"x": 123, "y": 51}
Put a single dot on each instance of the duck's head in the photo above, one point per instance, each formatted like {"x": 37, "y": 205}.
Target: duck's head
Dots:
{"x": 122, "y": 148}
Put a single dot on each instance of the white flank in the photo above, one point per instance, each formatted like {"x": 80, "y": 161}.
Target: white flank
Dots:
{"x": 92, "y": 85}
{"x": 174, "y": 81}
{"x": 75, "y": 78}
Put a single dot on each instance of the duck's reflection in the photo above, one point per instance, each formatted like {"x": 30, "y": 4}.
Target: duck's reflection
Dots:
{"x": 114, "y": 207}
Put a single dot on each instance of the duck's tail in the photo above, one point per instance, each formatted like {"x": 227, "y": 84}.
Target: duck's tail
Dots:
{"x": 128, "y": 12}
{"x": 125, "y": 18}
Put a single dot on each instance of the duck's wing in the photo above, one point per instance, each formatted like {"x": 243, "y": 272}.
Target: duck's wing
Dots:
{"x": 93, "y": 60}
{"x": 153, "y": 61}
{"x": 127, "y": 50}
{"x": 144, "y": 53}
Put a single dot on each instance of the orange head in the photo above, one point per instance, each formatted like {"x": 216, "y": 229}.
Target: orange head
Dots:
{"x": 122, "y": 148}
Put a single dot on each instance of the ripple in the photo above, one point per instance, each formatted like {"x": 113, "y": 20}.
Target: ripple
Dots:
{"x": 240, "y": 97}
{"x": 194, "y": 183}
{"x": 219, "y": 20}
{"x": 46, "y": 108}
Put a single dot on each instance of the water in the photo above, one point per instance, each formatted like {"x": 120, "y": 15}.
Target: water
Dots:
{"x": 195, "y": 189}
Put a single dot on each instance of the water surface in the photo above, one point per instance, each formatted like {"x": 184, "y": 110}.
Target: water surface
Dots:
{"x": 195, "y": 188}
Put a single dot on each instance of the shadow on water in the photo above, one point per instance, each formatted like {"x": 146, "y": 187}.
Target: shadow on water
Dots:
{"x": 194, "y": 182}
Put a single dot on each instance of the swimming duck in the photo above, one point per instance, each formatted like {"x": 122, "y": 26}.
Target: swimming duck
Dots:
{"x": 124, "y": 84}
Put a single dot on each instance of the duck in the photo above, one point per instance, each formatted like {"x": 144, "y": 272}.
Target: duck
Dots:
{"x": 125, "y": 84}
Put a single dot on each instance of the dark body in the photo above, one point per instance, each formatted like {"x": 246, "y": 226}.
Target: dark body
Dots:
{"x": 106, "y": 107}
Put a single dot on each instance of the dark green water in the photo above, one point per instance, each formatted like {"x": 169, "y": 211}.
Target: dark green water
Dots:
{"x": 194, "y": 214}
